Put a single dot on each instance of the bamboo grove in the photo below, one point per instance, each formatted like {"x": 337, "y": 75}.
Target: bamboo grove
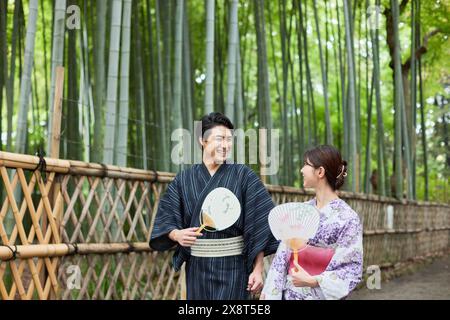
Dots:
{"x": 370, "y": 77}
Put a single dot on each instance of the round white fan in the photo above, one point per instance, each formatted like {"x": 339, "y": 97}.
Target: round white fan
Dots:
{"x": 294, "y": 220}
{"x": 220, "y": 210}
{"x": 294, "y": 223}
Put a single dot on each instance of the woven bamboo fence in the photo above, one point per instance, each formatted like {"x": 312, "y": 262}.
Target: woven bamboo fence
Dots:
{"x": 76, "y": 230}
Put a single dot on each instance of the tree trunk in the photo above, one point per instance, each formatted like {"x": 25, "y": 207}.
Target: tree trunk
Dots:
{"x": 178, "y": 68}
{"x": 25, "y": 87}
{"x": 265, "y": 120}
{"x": 122, "y": 141}
{"x": 312, "y": 127}
{"x": 99, "y": 58}
{"x": 301, "y": 128}
{"x": 140, "y": 86}
{"x": 232, "y": 60}
{"x": 176, "y": 121}
{"x": 400, "y": 114}
{"x": 413, "y": 93}
{"x": 353, "y": 155}
{"x": 151, "y": 94}
{"x": 163, "y": 165}
{"x": 422, "y": 114}
{"x": 209, "y": 81}
{"x": 239, "y": 96}
{"x": 3, "y": 61}
{"x": 44, "y": 38}
{"x": 111, "y": 92}
{"x": 188, "y": 91}
{"x": 59, "y": 27}
{"x": 86, "y": 93}
{"x": 343, "y": 102}
{"x": 328, "y": 129}
{"x": 10, "y": 79}
{"x": 73, "y": 141}
{"x": 167, "y": 63}
{"x": 382, "y": 188}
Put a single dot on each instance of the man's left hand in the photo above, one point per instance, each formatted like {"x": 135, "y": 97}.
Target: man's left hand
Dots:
{"x": 255, "y": 282}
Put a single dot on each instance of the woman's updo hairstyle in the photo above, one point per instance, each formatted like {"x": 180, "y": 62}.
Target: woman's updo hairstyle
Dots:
{"x": 330, "y": 159}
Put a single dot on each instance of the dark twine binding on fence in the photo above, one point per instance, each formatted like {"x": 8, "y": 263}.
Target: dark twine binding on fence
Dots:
{"x": 75, "y": 246}
{"x": 155, "y": 179}
{"x": 130, "y": 248}
{"x": 42, "y": 165}
{"x": 104, "y": 170}
{"x": 70, "y": 251}
{"x": 14, "y": 252}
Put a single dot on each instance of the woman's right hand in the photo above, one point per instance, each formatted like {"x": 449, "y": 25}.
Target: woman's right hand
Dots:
{"x": 185, "y": 237}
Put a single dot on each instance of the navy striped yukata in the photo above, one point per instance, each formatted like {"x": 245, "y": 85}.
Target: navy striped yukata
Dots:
{"x": 215, "y": 278}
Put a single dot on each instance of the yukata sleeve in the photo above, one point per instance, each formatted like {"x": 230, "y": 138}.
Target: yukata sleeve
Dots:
{"x": 344, "y": 271}
{"x": 168, "y": 217}
{"x": 276, "y": 276}
{"x": 257, "y": 235}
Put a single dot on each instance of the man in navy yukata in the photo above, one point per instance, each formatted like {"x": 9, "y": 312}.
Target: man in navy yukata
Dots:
{"x": 232, "y": 266}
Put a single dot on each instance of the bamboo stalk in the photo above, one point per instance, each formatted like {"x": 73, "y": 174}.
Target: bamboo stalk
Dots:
{"x": 209, "y": 82}
{"x": 57, "y": 60}
{"x": 28, "y": 162}
{"x": 14, "y": 160}
{"x": 232, "y": 60}
{"x": 54, "y": 153}
{"x": 25, "y": 83}
{"x": 63, "y": 249}
{"x": 162, "y": 148}
{"x": 328, "y": 128}
{"x": 99, "y": 77}
{"x": 121, "y": 144}
{"x": 3, "y": 58}
{"x": 112, "y": 83}
{"x": 176, "y": 107}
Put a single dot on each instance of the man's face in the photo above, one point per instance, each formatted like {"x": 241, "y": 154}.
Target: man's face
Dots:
{"x": 217, "y": 143}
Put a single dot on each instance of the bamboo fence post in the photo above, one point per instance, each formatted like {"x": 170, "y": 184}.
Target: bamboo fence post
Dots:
{"x": 183, "y": 282}
{"x": 54, "y": 153}
{"x": 57, "y": 107}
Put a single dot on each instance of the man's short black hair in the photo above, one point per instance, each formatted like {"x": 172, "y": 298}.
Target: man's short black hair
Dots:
{"x": 212, "y": 120}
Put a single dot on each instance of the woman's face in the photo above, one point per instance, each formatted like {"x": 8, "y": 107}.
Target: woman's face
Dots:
{"x": 310, "y": 176}
{"x": 218, "y": 144}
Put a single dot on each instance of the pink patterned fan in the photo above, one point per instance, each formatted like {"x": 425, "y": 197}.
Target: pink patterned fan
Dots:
{"x": 294, "y": 223}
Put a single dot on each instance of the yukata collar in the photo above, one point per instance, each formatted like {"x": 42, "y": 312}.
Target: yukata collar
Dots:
{"x": 328, "y": 207}
{"x": 206, "y": 173}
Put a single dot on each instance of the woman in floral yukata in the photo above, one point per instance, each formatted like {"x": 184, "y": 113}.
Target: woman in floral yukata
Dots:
{"x": 339, "y": 228}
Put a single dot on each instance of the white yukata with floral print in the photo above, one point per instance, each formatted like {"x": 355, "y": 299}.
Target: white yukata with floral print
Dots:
{"x": 340, "y": 229}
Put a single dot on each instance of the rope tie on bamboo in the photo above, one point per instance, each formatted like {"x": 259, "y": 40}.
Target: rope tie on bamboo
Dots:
{"x": 14, "y": 252}
{"x": 42, "y": 165}
{"x": 155, "y": 179}
{"x": 75, "y": 246}
{"x": 69, "y": 251}
{"x": 130, "y": 248}
{"x": 104, "y": 170}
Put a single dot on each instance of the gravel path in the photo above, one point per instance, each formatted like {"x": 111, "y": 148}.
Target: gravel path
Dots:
{"x": 430, "y": 282}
